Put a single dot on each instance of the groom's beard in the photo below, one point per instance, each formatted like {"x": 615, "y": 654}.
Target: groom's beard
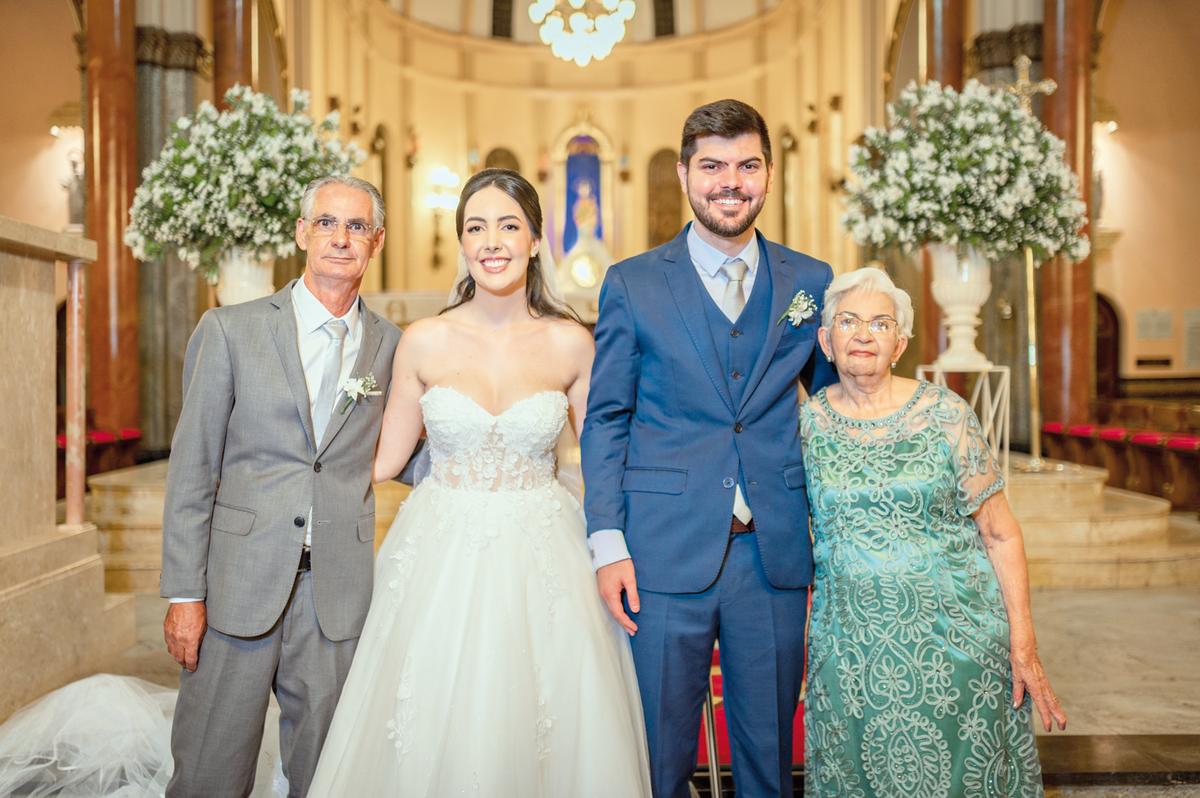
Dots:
{"x": 712, "y": 218}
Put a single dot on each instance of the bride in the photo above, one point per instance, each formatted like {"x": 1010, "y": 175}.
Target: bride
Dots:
{"x": 487, "y": 665}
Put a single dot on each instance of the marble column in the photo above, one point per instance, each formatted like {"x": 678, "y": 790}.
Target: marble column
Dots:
{"x": 169, "y": 54}
{"x": 944, "y": 44}
{"x": 112, "y": 176}
{"x": 945, "y": 41}
{"x": 1068, "y": 290}
{"x": 231, "y": 45}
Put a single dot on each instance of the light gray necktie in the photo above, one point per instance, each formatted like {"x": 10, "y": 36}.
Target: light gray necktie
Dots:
{"x": 336, "y": 329}
{"x": 731, "y": 305}
{"x": 735, "y": 290}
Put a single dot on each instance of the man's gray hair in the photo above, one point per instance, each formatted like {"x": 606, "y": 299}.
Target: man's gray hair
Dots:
{"x": 310, "y": 196}
{"x": 870, "y": 280}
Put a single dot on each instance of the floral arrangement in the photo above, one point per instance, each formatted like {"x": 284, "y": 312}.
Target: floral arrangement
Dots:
{"x": 969, "y": 168}
{"x": 234, "y": 179}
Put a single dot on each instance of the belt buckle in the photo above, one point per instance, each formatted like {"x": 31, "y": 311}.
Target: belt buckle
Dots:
{"x": 736, "y": 527}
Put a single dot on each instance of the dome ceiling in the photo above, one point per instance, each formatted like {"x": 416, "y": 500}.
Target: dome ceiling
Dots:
{"x": 653, "y": 18}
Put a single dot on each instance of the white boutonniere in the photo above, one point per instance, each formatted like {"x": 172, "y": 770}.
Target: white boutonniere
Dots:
{"x": 355, "y": 388}
{"x": 802, "y": 308}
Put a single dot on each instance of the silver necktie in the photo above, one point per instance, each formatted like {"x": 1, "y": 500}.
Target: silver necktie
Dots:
{"x": 337, "y": 330}
{"x": 735, "y": 293}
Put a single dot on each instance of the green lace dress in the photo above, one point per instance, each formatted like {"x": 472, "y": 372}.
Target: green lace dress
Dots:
{"x": 909, "y": 681}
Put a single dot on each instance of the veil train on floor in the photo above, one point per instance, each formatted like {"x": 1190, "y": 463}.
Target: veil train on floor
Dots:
{"x": 107, "y": 736}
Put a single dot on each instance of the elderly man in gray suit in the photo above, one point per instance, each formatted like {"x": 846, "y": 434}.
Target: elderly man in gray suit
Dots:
{"x": 269, "y": 525}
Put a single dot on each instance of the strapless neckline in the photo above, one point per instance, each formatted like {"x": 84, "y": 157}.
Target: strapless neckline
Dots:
{"x": 523, "y": 400}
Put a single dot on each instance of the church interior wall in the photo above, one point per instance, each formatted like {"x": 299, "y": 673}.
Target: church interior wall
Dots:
{"x": 1150, "y": 169}
{"x": 463, "y": 96}
{"x": 33, "y": 163}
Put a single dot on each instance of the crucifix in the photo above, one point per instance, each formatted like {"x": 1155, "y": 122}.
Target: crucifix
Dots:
{"x": 1025, "y": 90}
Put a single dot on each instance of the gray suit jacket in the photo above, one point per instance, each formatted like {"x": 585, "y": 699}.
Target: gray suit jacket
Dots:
{"x": 245, "y": 470}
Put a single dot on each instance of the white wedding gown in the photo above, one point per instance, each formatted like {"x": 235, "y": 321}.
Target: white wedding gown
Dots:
{"x": 488, "y": 665}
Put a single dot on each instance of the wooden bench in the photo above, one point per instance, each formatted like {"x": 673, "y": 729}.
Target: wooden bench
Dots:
{"x": 1148, "y": 446}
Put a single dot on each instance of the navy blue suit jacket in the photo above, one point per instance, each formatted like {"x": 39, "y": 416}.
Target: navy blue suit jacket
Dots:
{"x": 663, "y": 437}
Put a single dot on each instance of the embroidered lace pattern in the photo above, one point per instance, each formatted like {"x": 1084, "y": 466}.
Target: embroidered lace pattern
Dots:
{"x": 909, "y": 653}
{"x": 473, "y": 449}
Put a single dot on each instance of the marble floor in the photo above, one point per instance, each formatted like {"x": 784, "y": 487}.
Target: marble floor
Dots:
{"x": 1123, "y": 661}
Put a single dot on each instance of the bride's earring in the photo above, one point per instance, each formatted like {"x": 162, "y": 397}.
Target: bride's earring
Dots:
{"x": 893, "y": 365}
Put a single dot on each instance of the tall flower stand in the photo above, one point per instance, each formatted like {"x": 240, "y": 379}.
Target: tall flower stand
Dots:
{"x": 989, "y": 399}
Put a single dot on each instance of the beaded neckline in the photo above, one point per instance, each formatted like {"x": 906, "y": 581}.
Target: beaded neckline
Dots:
{"x": 872, "y": 422}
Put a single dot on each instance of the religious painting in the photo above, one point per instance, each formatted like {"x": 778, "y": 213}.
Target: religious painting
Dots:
{"x": 583, "y": 188}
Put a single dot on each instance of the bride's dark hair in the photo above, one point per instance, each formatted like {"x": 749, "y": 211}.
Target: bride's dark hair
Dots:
{"x": 537, "y": 294}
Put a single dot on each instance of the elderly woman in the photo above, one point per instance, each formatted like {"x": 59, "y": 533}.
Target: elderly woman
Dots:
{"x": 922, "y": 647}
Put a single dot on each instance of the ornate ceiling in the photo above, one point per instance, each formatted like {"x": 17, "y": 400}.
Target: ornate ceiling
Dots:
{"x": 653, "y": 18}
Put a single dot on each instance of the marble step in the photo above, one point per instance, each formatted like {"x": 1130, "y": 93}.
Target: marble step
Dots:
{"x": 127, "y": 506}
{"x": 1057, "y": 488}
{"x": 1121, "y": 517}
{"x": 1126, "y": 565}
{"x": 128, "y": 498}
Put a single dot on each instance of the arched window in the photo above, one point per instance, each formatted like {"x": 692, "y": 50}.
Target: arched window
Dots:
{"x": 502, "y": 158}
{"x": 664, "y": 206}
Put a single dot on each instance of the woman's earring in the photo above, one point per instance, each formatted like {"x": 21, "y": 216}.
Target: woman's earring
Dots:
{"x": 893, "y": 365}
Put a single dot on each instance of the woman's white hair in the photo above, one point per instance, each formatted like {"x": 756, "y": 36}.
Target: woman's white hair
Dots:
{"x": 870, "y": 280}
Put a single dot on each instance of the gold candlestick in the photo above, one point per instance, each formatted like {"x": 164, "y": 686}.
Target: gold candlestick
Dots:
{"x": 1024, "y": 89}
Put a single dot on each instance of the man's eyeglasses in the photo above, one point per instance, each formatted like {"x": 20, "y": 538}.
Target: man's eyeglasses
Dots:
{"x": 324, "y": 226}
{"x": 847, "y": 323}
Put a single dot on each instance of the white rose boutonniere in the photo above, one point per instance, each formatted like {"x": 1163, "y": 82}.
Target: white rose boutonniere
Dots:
{"x": 802, "y": 308}
{"x": 355, "y": 388}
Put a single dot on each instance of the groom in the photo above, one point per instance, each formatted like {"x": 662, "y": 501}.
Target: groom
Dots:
{"x": 269, "y": 525}
{"x": 695, "y": 496}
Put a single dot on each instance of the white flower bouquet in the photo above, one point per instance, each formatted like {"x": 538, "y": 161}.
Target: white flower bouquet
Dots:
{"x": 234, "y": 179}
{"x": 964, "y": 168}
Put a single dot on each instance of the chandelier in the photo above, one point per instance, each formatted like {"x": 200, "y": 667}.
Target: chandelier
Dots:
{"x": 580, "y": 30}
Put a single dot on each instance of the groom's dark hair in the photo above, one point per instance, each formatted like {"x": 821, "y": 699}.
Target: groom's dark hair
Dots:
{"x": 727, "y": 119}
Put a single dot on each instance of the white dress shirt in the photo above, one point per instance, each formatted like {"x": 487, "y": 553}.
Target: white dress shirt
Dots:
{"x": 608, "y": 545}
{"x": 312, "y": 342}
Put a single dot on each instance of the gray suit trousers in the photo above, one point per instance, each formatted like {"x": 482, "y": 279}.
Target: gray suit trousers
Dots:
{"x": 222, "y": 706}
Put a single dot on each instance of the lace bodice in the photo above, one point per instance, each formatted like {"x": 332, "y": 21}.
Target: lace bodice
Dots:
{"x": 473, "y": 449}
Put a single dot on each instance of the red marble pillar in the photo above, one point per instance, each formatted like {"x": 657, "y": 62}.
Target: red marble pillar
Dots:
{"x": 945, "y": 41}
{"x": 231, "y": 46}
{"x": 945, "y": 35}
{"x": 1068, "y": 290}
{"x": 112, "y": 296}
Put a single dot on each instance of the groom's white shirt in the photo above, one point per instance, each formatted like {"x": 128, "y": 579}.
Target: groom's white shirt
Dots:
{"x": 312, "y": 342}
{"x": 608, "y": 545}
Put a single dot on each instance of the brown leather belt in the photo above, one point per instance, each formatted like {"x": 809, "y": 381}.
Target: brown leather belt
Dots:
{"x": 305, "y": 560}
{"x": 736, "y": 527}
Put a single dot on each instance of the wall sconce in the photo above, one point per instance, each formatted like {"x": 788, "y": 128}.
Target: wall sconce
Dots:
{"x": 441, "y": 198}
{"x": 67, "y": 120}
{"x": 1106, "y": 117}
{"x": 411, "y": 146}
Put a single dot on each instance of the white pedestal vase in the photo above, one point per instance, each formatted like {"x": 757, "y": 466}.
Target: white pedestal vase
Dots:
{"x": 962, "y": 282}
{"x": 244, "y": 276}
